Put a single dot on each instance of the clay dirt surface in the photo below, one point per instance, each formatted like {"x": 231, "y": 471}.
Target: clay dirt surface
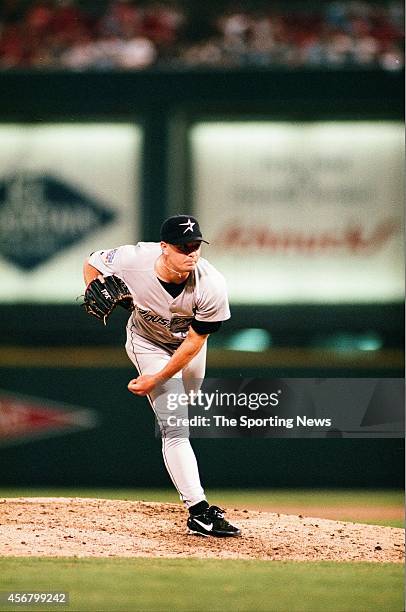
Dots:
{"x": 78, "y": 527}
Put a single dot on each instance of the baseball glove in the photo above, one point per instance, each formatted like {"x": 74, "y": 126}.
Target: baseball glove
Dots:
{"x": 103, "y": 294}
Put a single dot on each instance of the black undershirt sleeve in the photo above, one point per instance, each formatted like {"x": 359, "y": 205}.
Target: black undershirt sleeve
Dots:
{"x": 203, "y": 327}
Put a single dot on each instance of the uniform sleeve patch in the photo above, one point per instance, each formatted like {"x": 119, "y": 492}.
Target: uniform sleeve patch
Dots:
{"x": 109, "y": 256}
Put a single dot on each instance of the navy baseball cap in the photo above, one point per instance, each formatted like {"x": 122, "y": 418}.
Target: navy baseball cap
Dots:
{"x": 181, "y": 229}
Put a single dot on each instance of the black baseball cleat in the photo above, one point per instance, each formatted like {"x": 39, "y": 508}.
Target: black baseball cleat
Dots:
{"x": 212, "y": 523}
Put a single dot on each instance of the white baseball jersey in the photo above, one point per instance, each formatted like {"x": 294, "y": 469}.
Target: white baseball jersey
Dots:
{"x": 158, "y": 317}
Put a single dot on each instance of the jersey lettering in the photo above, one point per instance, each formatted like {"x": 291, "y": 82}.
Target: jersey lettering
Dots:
{"x": 151, "y": 317}
{"x": 180, "y": 324}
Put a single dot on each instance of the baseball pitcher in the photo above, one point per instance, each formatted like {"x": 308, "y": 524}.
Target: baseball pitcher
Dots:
{"x": 176, "y": 299}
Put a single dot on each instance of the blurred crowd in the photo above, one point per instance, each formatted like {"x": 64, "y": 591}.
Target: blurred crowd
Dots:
{"x": 127, "y": 35}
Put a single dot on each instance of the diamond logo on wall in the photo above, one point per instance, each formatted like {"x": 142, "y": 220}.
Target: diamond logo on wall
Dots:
{"x": 41, "y": 215}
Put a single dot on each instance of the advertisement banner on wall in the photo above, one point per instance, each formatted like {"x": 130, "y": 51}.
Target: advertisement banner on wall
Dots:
{"x": 302, "y": 212}
{"x": 26, "y": 418}
{"x": 65, "y": 191}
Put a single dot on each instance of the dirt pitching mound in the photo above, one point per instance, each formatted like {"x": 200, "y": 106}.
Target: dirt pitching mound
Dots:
{"x": 67, "y": 527}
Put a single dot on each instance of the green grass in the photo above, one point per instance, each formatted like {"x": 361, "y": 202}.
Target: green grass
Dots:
{"x": 384, "y": 522}
{"x": 200, "y": 585}
{"x": 304, "y": 498}
{"x": 313, "y": 497}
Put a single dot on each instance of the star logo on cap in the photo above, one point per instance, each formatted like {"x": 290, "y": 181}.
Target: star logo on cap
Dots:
{"x": 189, "y": 224}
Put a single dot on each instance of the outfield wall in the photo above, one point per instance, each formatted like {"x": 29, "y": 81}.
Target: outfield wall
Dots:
{"x": 81, "y": 427}
{"x": 104, "y": 436}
